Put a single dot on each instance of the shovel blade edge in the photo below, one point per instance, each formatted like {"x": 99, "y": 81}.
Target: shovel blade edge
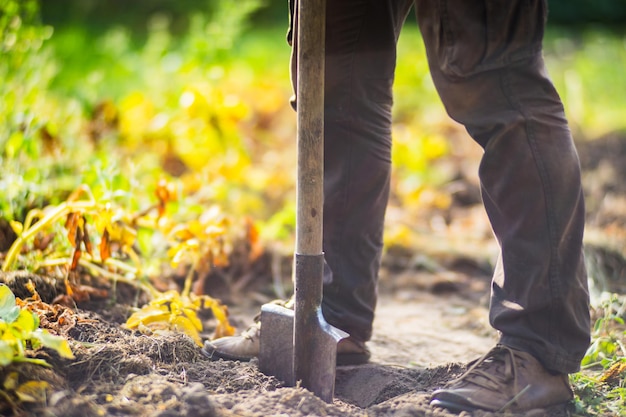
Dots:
{"x": 276, "y": 343}
{"x": 315, "y": 357}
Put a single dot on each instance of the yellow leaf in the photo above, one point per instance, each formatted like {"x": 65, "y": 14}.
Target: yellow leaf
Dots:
{"x": 6, "y": 353}
{"x": 122, "y": 233}
{"x": 223, "y": 329}
{"x": 30, "y": 286}
{"x": 182, "y": 232}
{"x": 166, "y": 297}
{"x": 191, "y": 315}
{"x": 183, "y": 324}
{"x": 195, "y": 227}
{"x": 147, "y": 315}
{"x": 434, "y": 147}
{"x": 32, "y": 391}
{"x": 180, "y": 252}
{"x": 11, "y": 381}
{"x": 196, "y": 302}
{"x": 214, "y": 231}
{"x": 17, "y": 227}
{"x": 103, "y": 219}
{"x": 191, "y": 182}
{"x": 136, "y": 112}
{"x": 27, "y": 321}
{"x": 58, "y": 343}
{"x": 64, "y": 350}
{"x": 221, "y": 315}
{"x": 614, "y": 374}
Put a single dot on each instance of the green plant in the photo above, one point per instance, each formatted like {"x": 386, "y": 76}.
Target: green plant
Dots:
{"x": 609, "y": 333}
{"x": 19, "y": 331}
{"x": 197, "y": 244}
{"x": 112, "y": 111}
{"x": 173, "y": 311}
{"x": 586, "y": 66}
{"x": 25, "y": 70}
{"x": 600, "y": 387}
{"x": 21, "y": 39}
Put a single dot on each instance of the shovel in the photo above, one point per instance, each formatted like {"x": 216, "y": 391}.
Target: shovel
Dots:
{"x": 299, "y": 346}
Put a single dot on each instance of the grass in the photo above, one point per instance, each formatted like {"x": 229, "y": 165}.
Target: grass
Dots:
{"x": 587, "y": 68}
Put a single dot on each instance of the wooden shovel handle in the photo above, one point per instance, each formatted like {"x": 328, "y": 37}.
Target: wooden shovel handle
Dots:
{"x": 310, "y": 126}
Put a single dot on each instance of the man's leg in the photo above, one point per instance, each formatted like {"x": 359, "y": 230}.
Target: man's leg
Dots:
{"x": 361, "y": 37}
{"x": 486, "y": 62}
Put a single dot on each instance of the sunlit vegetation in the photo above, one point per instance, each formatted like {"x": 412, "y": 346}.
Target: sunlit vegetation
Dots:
{"x": 123, "y": 156}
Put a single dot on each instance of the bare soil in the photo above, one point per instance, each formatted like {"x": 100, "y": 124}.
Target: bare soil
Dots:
{"x": 422, "y": 339}
{"x": 431, "y": 320}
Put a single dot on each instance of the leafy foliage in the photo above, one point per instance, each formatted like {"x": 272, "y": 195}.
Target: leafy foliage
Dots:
{"x": 19, "y": 331}
{"x": 110, "y": 225}
{"x": 171, "y": 311}
{"x": 199, "y": 242}
{"x": 587, "y": 69}
{"x": 28, "y": 391}
{"x": 24, "y": 69}
{"x": 601, "y": 387}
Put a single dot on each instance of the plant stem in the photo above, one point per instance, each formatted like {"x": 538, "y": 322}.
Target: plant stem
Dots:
{"x": 51, "y": 217}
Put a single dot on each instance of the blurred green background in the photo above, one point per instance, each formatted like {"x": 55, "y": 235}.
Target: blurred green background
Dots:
{"x": 116, "y": 94}
{"x": 100, "y": 13}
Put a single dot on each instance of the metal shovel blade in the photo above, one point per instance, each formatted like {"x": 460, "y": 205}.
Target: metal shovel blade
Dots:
{"x": 315, "y": 341}
{"x": 315, "y": 363}
{"x": 276, "y": 343}
{"x": 300, "y": 345}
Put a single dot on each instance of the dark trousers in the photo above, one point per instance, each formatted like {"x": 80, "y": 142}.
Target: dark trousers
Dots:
{"x": 486, "y": 63}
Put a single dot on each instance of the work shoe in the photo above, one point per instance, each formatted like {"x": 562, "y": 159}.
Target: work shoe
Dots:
{"x": 235, "y": 348}
{"x": 504, "y": 379}
{"x": 350, "y": 351}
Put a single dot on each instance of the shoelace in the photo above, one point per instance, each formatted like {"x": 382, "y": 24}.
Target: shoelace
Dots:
{"x": 252, "y": 331}
{"x": 498, "y": 366}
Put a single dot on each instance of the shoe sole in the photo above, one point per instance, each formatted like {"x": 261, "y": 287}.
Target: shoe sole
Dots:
{"x": 215, "y": 355}
{"x": 454, "y": 407}
{"x": 347, "y": 359}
